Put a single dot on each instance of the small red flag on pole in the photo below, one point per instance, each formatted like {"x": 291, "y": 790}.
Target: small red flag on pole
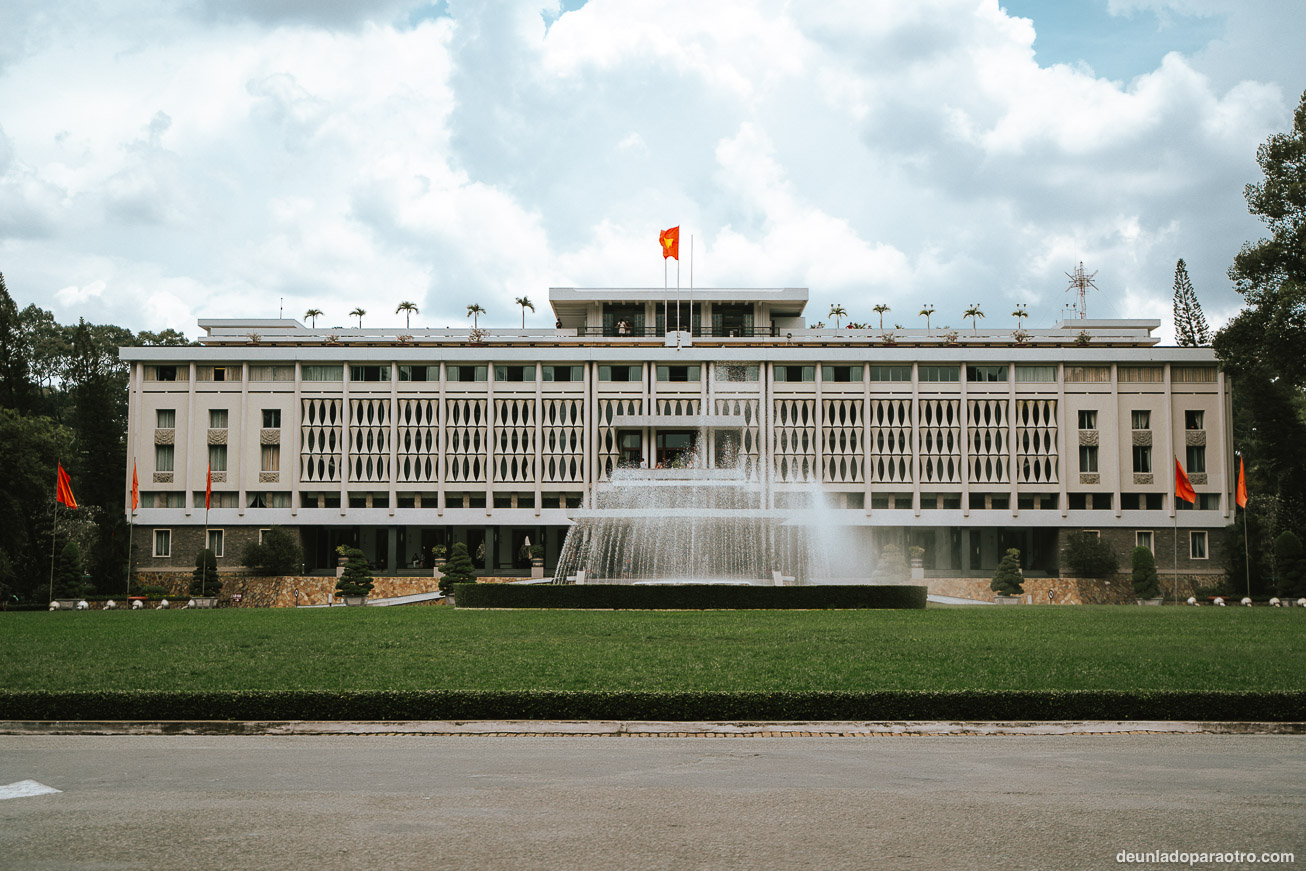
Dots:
{"x": 670, "y": 241}
{"x": 63, "y": 492}
{"x": 208, "y": 488}
{"x": 136, "y": 488}
{"x": 1240, "y": 495}
{"x": 1183, "y": 488}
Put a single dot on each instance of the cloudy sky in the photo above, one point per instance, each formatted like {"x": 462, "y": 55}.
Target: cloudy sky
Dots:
{"x": 166, "y": 160}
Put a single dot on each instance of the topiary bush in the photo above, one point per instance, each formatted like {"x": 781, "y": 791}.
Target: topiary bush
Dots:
{"x": 278, "y": 553}
{"x": 1143, "y": 565}
{"x": 1090, "y": 557}
{"x": 458, "y": 570}
{"x": 205, "y": 580}
{"x": 357, "y": 577}
{"x": 1007, "y": 580}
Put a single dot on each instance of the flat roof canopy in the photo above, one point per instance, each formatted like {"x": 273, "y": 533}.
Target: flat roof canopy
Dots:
{"x": 569, "y": 303}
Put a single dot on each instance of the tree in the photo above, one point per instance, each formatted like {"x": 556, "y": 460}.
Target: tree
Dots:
{"x": 358, "y": 313}
{"x": 1190, "y": 327}
{"x": 312, "y": 315}
{"x": 278, "y": 553}
{"x": 1020, "y": 314}
{"x": 408, "y": 308}
{"x": 474, "y": 311}
{"x": 1291, "y": 564}
{"x": 32, "y": 446}
{"x": 880, "y": 310}
{"x": 1090, "y": 557}
{"x": 525, "y": 303}
{"x": 925, "y": 312}
{"x": 837, "y": 312}
{"x": 459, "y": 568}
{"x": 1007, "y": 580}
{"x": 1143, "y": 573}
{"x": 357, "y": 577}
{"x": 890, "y": 567}
{"x": 204, "y": 581}
{"x": 16, "y": 388}
{"x": 69, "y": 575}
{"x": 973, "y": 312}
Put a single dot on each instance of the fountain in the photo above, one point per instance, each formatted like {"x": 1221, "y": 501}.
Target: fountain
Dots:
{"x": 706, "y": 526}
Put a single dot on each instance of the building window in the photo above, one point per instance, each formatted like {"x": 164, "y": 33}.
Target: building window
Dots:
{"x": 1088, "y": 458}
{"x": 1140, "y": 420}
{"x": 369, "y": 373}
{"x": 679, "y": 373}
{"x": 467, "y": 372}
{"x": 165, "y": 418}
{"x": 270, "y": 456}
{"x": 1088, "y": 374}
{"x": 795, "y": 373}
{"x": 163, "y": 458}
{"x": 1093, "y": 533}
{"x": 1192, "y": 374}
{"x": 736, "y": 372}
{"x": 215, "y": 541}
{"x": 275, "y": 499}
{"x": 1036, "y": 373}
{"x": 986, "y": 373}
{"x": 1205, "y": 502}
{"x": 163, "y": 542}
{"x": 221, "y": 499}
{"x": 1142, "y": 459}
{"x": 1196, "y": 459}
{"x": 514, "y": 373}
{"x": 324, "y": 373}
{"x": 1197, "y": 544}
{"x": 166, "y": 373}
{"x": 272, "y": 373}
{"x": 1194, "y": 419}
{"x": 564, "y": 373}
{"x": 896, "y": 373}
{"x": 217, "y": 373}
{"x": 218, "y": 458}
{"x": 419, "y": 373}
{"x": 1088, "y": 419}
{"x": 938, "y": 373}
{"x": 621, "y": 373}
{"x": 1141, "y": 374}
{"x": 272, "y": 418}
{"x": 848, "y": 373}
{"x": 1142, "y": 501}
{"x": 1144, "y": 538}
{"x": 217, "y": 418}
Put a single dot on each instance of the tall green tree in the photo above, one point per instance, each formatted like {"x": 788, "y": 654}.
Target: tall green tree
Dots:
{"x": 32, "y": 445}
{"x": 1190, "y": 327}
{"x": 16, "y": 388}
{"x": 1290, "y": 563}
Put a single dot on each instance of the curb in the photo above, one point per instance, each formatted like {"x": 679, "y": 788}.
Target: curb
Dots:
{"x": 643, "y": 729}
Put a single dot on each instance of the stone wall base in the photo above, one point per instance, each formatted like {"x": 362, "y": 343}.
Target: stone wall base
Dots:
{"x": 291, "y": 590}
{"x": 1117, "y": 590}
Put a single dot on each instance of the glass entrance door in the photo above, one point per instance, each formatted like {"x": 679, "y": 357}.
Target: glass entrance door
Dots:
{"x": 675, "y": 448}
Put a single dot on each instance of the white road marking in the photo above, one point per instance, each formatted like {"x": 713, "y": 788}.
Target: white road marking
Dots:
{"x": 25, "y": 788}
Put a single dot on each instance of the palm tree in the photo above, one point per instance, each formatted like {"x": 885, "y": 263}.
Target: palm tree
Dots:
{"x": 973, "y": 312}
{"x": 312, "y": 315}
{"x": 525, "y": 303}
{"x": 925, "y": 312}
{"x": 409, "y": 310}
{"x": 836, "y": 312}
{"x": 358, "y": 313}
{"x": 1020, "y": 314}
{"x": 474, "y": 311}
{"x": 881, "y": 309}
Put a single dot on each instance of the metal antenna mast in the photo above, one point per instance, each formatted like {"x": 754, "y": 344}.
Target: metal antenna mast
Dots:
{"x": 1081, "y": 283}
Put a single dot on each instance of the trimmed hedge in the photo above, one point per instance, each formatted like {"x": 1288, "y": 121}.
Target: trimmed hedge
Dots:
{"x": 687, "y": 597}
{"x": 672, "y": 706}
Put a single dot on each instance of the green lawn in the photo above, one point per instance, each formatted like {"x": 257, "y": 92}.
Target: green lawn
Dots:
{"x": 1035, "y": 648}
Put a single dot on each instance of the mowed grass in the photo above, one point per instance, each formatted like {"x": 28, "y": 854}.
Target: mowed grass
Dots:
{"x": 1024, "y": 648}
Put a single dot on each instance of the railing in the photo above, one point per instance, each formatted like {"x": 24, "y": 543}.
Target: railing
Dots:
{"x": 617, "y": 332}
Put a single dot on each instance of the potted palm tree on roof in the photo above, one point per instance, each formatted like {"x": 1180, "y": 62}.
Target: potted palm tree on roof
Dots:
{"x": 974, "y": 312}
{"x": 409, "y": 309}
{"x": 358, "y": 313}
{"x": 525, "y": 303}
{"x": 880, "y": 310}
{"x": 312, "y": 315}
{"x": 837, "y": 312}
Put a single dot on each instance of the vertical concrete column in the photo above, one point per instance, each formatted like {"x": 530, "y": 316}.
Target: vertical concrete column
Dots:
{"x": 345, "y": 420}
{"x": 185, "y": 445}
{"x": 491, "y": 434}
{"x": 590, "y": 410}
{"x": 707, "y": 435}
{"x": 915, "y": 435}
{"x": 963, "y": 430}
{"x": 868, "y": 467}
{"x": 1170, "y": 441}
{"x": 394, "y": 438}
{"x": 649, "y": 398}
{"x": 1228, "y": 465}
{"x": 1122, "y": 462}
{"x": 1013, "y": 449}
{"x": 765, "y": 431}
{"x": 441, "y": 438}
{"x": 134, "y": 428}
{"x": 242, "y": 448}
{"x": 539, "y": 434}
{"x": 818, "y": 417}
{"x": 1063, "y": 441}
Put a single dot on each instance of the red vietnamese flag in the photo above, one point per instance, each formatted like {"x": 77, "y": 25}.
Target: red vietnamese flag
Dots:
{"x": 1183, "y": 488}
{"x": 670, "y": 241}
{"x": 1240, "y": 495}
{"x": 63, "y": 490}
{"x": 136, "y": 488}
{"x": 208, "y": 488}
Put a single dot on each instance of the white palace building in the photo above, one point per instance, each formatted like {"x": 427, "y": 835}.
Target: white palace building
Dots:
{"x": 963, "y": 442}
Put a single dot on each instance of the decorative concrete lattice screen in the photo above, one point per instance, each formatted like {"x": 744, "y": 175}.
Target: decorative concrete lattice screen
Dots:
{"x": 1036, "y": 436}
{"x": 514, "y": 440}
{"x": 891, "y": 426}
{"x": 940, "y": 434}
{"x": 418, "y": 420}
{"x": 564, "y": 440}
{"x": 987, "y": 423}
{"x": 369, "y": 440}
{"x": 678, "y": 407}
{"x": 609, "y": 450}
{"x": 794, "y": 456}
{"x": 465, "y": 434}
{"x": 321, "y": 440}
{"x": 841, "y": 425}
{"x": 750, "y": 447}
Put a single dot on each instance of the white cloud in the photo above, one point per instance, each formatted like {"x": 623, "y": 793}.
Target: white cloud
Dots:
{"x": 77, "y": 296}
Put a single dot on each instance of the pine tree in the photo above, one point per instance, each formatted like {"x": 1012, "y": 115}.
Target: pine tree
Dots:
{"x": 1007, "y": 580}
{"x": 357, "y": 577}
{"x": 68, "y": 572}
{"x": 204, "y": 581}
{"x": 1190, "y": 327}
{"x": 1143, "y": 565}
{"x": 459, "y": 569}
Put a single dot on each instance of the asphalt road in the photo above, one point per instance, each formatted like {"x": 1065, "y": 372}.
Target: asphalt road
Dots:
{"x": 324, "y": 803}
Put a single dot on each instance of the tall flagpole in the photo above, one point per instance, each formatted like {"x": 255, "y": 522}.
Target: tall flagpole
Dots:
{"x": 1174, "y": 507}
{"x": 678, "y": 294}
{"x": 1247, "y": 559}
{"x": 691, "y": 284}
{"x": 54, "y": 526}
{"x": 131, "y": 527}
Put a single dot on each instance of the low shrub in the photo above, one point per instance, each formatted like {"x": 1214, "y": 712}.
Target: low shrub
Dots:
{"x": 686, "y": 597}
{"x": 1090, "y": 557}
